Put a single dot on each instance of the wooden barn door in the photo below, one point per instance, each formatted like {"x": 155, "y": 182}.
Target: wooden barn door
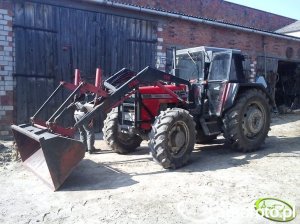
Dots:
{"x": 51, "y": 41}
{"x": 36, "y": 57}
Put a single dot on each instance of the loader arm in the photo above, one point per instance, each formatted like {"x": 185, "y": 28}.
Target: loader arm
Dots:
{"x": 148, "y": 76}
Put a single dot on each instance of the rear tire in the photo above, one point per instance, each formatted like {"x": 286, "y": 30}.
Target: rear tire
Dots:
{"x": 172, "y": 138}
{"x": 247, "y": 123}
{"x": 121, "y": 143}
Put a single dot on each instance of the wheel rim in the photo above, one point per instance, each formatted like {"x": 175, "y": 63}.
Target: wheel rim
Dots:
{"x": 178, "y": 138}
{"x": 253, "y": 120}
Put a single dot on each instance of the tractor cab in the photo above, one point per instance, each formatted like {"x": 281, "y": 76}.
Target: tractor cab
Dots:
{"x": 224, "y": 76}
{"x": 190, "y": 65}
{"x": 210, "y": 70}
{"x": 226, "y": 66}
{"x": 194, "y": 63}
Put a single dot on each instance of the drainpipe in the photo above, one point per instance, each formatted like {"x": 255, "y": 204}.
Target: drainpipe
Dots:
{"x": 265, "y": 54}
{"x": 190, "y": 18}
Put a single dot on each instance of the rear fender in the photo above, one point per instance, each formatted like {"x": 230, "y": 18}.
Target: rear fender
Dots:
{"x": 235, "y": 89}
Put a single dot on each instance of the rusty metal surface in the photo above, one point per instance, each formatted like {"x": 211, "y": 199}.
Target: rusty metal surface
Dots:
{"x": 51, "y": 157}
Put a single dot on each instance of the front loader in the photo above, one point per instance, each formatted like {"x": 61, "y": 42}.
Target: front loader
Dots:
{"x": 50, "y": 150}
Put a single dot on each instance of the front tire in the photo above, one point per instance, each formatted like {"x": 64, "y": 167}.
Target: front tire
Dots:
{"x": 172, "y": 138}
{"x": 247, "y": 123}
{"x": 122, "y": 143}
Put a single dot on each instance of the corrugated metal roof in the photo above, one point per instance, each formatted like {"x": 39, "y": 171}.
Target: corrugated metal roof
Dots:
{"x": 192, "y": 17}
{"x": 204, "y": 18}
{"x": 290, "y": 28}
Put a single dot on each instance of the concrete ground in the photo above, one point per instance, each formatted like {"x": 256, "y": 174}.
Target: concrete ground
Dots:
{"x": 218, "y": 186}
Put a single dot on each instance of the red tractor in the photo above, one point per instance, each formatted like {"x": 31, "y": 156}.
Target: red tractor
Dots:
{"x": 207, "y": 94}
{"x": 218, "y": 99}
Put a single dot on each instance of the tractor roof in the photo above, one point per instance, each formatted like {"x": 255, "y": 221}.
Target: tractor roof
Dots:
{"x": 206, "y": 49}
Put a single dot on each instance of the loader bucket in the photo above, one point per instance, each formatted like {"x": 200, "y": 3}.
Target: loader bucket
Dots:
{"x": 51, "y": 157}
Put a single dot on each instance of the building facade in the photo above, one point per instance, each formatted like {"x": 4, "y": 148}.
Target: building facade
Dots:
{"x": 42, "y": 42}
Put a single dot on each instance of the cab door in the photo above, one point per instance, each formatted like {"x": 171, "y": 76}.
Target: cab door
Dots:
{"x": 217, "y": 84}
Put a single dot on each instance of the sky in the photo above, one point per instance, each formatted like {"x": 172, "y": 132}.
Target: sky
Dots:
{"x": 289, "y": 8}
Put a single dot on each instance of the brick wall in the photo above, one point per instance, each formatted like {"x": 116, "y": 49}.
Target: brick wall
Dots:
{"x": 184, "y": 34}
{"x": 161, "y": 52}
{"x": 6, "y": 68}
{"x": 219, "y": 10}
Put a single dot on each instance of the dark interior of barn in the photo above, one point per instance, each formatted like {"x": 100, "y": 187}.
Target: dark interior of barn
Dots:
{"x": 287, "y": 93}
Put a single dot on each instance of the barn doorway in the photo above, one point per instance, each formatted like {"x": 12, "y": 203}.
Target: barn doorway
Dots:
{"x": 287, "y": 92}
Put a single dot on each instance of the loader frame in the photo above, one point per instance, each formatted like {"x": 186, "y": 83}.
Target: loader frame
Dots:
{"x": 109, "y": 94}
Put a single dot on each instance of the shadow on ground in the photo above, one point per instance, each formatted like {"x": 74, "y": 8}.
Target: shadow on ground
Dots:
{"x": 219, "y": 155}
{"x": 215, "y": 156}
{"x": 278, "y": 119}
{"x": 89, "y": 175}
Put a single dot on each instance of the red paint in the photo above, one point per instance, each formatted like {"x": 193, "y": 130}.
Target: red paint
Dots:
{"x": 224, "y": 96}
{"x": 77, "y": 78}
{"x": 167, "y": 77}
{"x": 68, "y": 132}
{"x": 154, "y": 104}
{"x": 91, "y": 88}
{"x": 174, "y": 95}
{"x": 55, "y": 128}
{"x": 98, "y": 80}
{"x": 133, "y": 83}
{"x": 69, "y": 86}
{"x": 39, "y": 123}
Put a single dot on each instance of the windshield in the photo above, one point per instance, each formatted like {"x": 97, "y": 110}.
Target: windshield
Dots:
{"x": 190, "y": 65}
{"x": 219, "y": 67}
